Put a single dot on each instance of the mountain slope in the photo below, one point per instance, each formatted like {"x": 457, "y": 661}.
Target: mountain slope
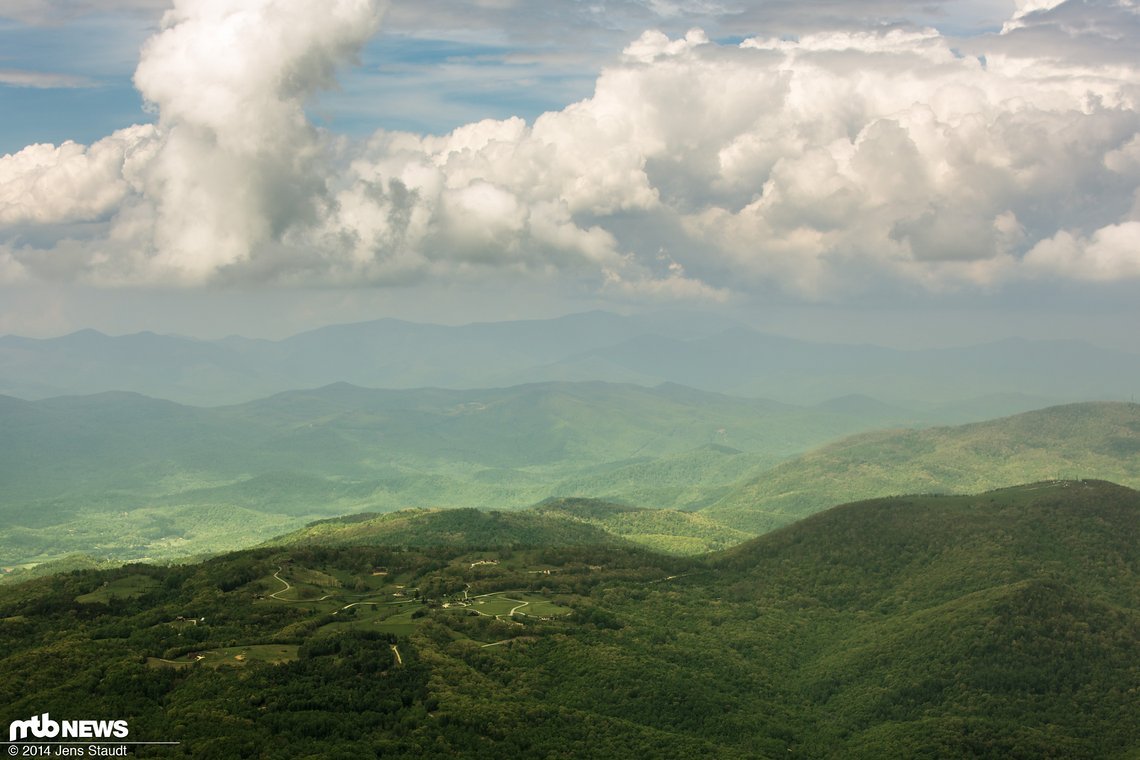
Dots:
{"x": 1005, "y": 624}
{"x": 1093, "y": 440}
{"x": 664, "y": 530}
{"x": 977, "y": 624}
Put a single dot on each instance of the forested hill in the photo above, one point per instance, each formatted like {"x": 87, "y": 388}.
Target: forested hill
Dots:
{"x": 1005, "y": 624}
{"x": 555, "y": 522}
{"x": 1089, "y": 440}
{"x": 1082, "y": 533}
{"x": 472, "y": 528}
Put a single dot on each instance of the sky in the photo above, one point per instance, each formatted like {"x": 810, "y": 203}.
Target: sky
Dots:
{"x": 896, "y": 172}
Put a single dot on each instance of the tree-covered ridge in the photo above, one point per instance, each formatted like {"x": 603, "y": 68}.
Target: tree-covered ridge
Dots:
{"x": 1089, "y": 440}
{"x": 449, "y": 527}
{"x": 1005, "y": 624}
{"x": 554, "y": 522}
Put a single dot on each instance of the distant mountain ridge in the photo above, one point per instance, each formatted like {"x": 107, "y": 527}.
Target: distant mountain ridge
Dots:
{"x": 124, "y": 475}
{"x": 696, "y": 350}
{"x": 120, "y": 475}
{"x": 1089, "y": 440}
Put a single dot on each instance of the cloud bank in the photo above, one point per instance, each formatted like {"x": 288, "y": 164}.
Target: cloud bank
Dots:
{"x": 820, "y": 166}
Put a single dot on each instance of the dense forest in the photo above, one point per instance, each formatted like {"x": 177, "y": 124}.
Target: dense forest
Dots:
{"x": 1000, "y": 625}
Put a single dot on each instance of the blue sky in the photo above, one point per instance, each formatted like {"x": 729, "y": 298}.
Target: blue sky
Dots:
{"x": 79, "y": 69}
{"x": 440, "y": 77}
{"x": 872, "y": 166}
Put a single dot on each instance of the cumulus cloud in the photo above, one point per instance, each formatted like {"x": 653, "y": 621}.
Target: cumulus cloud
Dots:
{"x": 819, "y": 165}
{"x": 1110, "y": 253}
{"x": 239, "y": 162}
{"x": 233, "y": 162}
{"x": 1024, "y": 10}
{"x": 46, "y": 184}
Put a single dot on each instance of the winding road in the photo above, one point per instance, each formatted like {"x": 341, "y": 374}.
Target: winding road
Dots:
{"x": 282, "y": 591}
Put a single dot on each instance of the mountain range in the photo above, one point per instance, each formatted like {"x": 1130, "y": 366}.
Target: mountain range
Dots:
{"x": 122, "y": 476}
{"x": 697, "y": 350}
{"x": 127, "y": 476}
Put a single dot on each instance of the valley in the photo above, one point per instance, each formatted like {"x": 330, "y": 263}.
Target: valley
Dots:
{"x": 120, "y": 477}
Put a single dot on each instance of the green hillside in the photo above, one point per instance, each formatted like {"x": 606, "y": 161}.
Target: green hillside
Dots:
{"x": 966, "y": 625}
{"x": 122, "y": 476}
{"x": 1091, "y": 440}
{"x": 449, "y": 527}
{"x": 555, "y": 522}
{"x": 664, "y": 530}
{"x": 1001, "y": 625}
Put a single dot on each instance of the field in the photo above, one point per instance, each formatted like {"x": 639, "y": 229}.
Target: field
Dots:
{"x": 130, "y": 587}
{"x": 504, "y": 604}
{"x": 232, "y": 657}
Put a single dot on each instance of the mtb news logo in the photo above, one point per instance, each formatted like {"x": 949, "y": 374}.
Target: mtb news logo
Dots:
{"x": 43, "y": 727}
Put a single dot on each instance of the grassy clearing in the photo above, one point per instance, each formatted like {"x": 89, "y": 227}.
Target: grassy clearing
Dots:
{"x": 272, "y": 654}
{"x": 230, "y": 657}
{"x": 540, "y": 606}
{"x": 495, "y": 604}
{"x": 383, "y": 616}
{"x": 402, "y": 623}
{"x": 504, "y": 602}
{"x": 304, "y": 575}
{"x": 130, "y": 587}
{"x": 158, "y": 662}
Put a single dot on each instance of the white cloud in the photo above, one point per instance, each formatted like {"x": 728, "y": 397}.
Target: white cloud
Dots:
{"x": 1024, "y": 9}
{"x": 46, "y": 184}
{"x": 240, "y": 164}
{"x": 41, "y": 80}
{"x": 821, "y": 165}
{"x": 1111, "y": 253}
